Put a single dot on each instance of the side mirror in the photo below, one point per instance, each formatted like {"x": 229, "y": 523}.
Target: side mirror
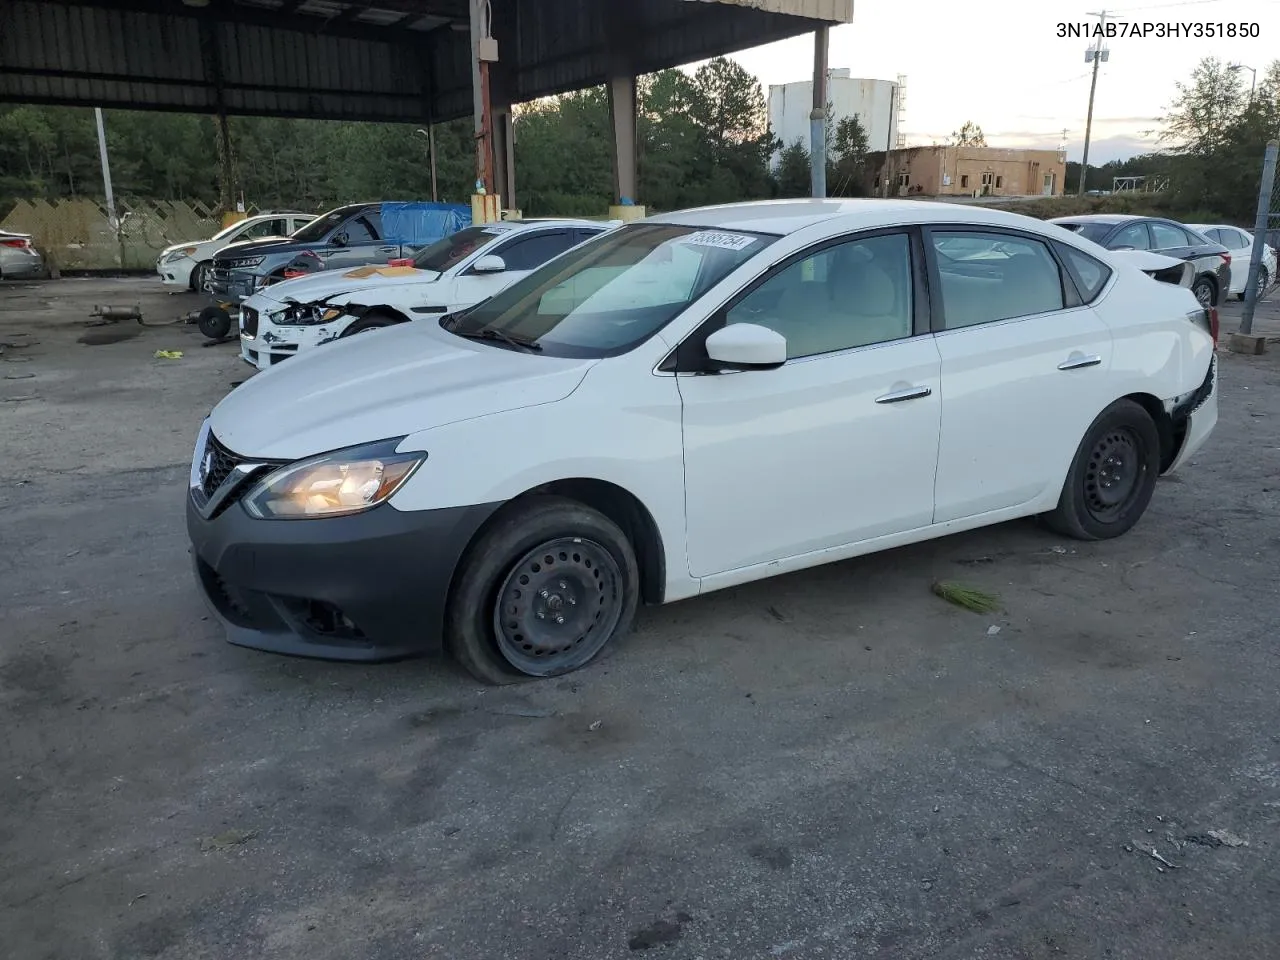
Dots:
{"x": 747, "y": 346}
{"x": 490, "y": 263}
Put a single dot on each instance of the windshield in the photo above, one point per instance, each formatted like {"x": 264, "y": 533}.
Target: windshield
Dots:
{"x": 320, "y": 227}
{"x": 612, "y": 293}
{"x": 450, "y": 250}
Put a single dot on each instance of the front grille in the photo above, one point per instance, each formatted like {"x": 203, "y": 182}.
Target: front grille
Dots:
{"x": 249, "y": 321}
{"x": 220, "y": 467}
{"x": 221, "y": 462}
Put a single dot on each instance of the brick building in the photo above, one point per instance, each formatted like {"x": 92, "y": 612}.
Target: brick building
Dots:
{"x": 966, "y": 171}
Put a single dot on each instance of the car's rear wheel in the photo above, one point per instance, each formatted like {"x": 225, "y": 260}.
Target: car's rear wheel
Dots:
{"x": 542, "y": 592}
{"x": 1264, "y": 282}
{"x": 371, "y": 321}
{"x": 1112, "y": 477}
{"x": 1204, "y": 290}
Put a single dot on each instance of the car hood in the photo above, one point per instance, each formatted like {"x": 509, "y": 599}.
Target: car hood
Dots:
{"x": 385, "y": 383}
{"x": 316, "y": 287}
{"x": 251, "y": 248}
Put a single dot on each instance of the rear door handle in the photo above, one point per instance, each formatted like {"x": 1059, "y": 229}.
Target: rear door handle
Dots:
{"x": 1077, "y": 362}
{"x": 388, "y": 249}
{"x": 910, "y": 393}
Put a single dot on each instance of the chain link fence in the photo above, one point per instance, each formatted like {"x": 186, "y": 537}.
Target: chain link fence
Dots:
{"x": 1266, "y": 233}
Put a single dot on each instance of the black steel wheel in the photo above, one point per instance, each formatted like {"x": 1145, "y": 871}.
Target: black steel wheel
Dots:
{"x": 1204, "y": 291}
{"x": 543, "y": 589}
{"x": 558, "y": 606}
{"x": 1112, "y": 477}
{"x": 214, "y": 322}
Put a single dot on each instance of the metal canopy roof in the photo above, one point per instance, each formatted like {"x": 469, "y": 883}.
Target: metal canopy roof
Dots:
{"x": 396, "y": 60}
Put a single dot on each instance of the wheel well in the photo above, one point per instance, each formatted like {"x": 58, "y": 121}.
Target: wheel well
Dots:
{"x": 382, "y": 310}
{"x": 623, "y": 508}
{"x": 1169, "y": 432}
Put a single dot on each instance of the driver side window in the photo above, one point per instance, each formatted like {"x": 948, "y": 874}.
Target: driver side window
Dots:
{"x": 851, "y": 294}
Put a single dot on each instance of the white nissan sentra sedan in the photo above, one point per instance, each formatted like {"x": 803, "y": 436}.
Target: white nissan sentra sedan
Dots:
{"x": 690, "y": 402}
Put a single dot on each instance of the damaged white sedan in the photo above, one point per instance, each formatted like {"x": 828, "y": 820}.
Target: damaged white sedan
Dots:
{"x": 458, "y": 271}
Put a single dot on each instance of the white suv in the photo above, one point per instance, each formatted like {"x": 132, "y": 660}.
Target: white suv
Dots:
{"x": 456, "y": 272}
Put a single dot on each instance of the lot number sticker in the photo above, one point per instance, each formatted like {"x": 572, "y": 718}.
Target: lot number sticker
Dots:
{"x": 725, "y": 241}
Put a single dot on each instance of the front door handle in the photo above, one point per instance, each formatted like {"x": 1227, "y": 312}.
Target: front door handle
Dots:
{"x": 388, "y": 249}
{"x": 909, "y": 393}
{"x": 1077, "y": 362}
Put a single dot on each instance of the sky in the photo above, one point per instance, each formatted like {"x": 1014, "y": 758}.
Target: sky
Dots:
{"x": 1001, "y": 64}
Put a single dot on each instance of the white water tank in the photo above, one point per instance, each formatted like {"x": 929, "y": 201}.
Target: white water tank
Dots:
{"x": 874, "y": 102}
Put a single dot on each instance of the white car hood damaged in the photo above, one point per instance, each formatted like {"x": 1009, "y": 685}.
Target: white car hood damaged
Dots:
{"x": 386, "y": 383}
{"x": 321, "y": 286}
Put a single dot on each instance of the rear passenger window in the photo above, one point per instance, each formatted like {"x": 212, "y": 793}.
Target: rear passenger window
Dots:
{"x": 1090, "y": 275}
{"x": 992, "y": 276}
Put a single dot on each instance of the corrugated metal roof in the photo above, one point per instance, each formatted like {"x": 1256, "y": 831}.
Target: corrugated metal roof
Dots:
{"x": 351, "y": 59}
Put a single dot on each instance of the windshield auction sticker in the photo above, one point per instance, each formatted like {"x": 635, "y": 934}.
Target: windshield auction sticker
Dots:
{"x": 725, "y": 241}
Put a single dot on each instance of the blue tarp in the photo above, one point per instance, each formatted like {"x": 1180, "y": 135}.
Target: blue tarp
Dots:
{"x": 418, "y": 224}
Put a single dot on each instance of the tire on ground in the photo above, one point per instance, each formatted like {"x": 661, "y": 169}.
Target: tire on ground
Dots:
{"x": 1121, "y": 445}
{"x": 214, "y": 322}
{"x": 470, "y": 628}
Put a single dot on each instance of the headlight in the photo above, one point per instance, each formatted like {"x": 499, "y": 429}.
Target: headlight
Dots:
{"x": 179, "y": 254}
{"x": 306, "y": 314}
{"x": 333, "y": 484}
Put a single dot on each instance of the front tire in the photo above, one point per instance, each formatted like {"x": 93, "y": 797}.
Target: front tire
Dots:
{"x": 198, "y": 274}
{"x": 372, "y": 321}
{"x": 542, "y": 592}
{"x": 1112, "y": 477}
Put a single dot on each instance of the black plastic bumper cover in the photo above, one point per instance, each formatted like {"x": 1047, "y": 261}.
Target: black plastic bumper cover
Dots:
{"x": 372, "y": 586}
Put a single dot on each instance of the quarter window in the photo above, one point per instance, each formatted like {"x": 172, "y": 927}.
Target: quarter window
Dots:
{"x": 851, "y": 294}
{"x": 1089, "y": 274}
{"x": 991, "y": 276}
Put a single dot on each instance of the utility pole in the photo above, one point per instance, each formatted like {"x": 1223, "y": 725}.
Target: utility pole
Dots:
{"x": 818, "y": 118}
{"x": 1096, "y": 55}
{"x": 430, "y": 134}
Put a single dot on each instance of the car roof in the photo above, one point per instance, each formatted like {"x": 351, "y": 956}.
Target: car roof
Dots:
{"x": 530, "y": 222}
{"x": 1103, "y": 218}
{"x": 1215, "y": 226}
{"x": 782, "y": 217}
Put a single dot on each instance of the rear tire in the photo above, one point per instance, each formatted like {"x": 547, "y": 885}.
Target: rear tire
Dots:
{"x": 1112, "y": 477}
{"x": 541, "y": 592}
{"x": 1206, "y": 292}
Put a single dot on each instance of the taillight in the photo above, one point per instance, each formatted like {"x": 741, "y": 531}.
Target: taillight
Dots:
{"x": 18, "y": 243}
{"x": 1226, "y": 258}
{"x": 1208, "y": 318}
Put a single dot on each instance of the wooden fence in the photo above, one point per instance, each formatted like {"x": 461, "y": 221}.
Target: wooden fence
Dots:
{"x": 77, "y": 235}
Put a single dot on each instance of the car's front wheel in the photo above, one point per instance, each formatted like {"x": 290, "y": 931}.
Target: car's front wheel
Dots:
{"x": 1112, "y": 477}
{"x": 542, "y": 591}
{"x": 199, "y": 273}
{"x": 372, "y": 321}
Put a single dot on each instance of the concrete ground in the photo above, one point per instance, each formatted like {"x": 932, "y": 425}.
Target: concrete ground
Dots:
{"x": 829, "y": 764}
